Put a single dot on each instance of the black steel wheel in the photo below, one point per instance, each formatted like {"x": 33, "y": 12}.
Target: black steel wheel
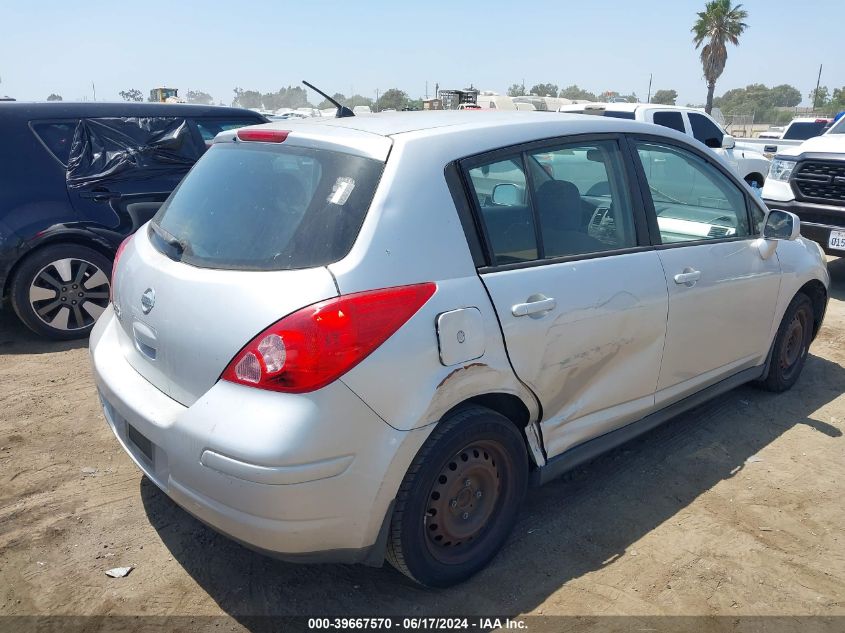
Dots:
{"x": 791, "y": 346}
{"x": 460, "y": 498}
{"x": 60, "y": 291}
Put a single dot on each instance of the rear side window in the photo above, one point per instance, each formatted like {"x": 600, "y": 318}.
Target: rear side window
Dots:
{"x": 209, "y": 128}
{"x": 57, "y": 136}
{"x": 672, "y": 120}
{"x": 803, "y": 131}
{"x": 704, "y": 130}
{"x": 256, "y": 206}
{"x": 575, "y": 202}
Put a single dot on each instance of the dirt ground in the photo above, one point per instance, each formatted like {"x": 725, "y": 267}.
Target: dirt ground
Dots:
{"x": 734, "y": 509}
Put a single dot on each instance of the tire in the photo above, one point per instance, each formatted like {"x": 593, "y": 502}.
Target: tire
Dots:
{"x": 460, "y": 498}
{"x": 59, "y": 291}
{"x": 792, "y": 343}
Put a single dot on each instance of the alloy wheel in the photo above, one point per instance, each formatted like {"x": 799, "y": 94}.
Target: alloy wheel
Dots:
{"x": 69, "y": 294}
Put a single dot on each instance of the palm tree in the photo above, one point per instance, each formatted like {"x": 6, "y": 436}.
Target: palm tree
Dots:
{"x": 717, "y": 25}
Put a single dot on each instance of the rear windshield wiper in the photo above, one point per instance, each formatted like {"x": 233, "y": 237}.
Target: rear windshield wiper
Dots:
{"x": 180, "y": 246}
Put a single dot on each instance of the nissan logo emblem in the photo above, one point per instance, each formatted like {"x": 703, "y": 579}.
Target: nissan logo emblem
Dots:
{"x": 148, "y": 300}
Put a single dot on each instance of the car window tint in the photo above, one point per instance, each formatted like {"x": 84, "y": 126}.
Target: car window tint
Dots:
{"x": 268, "y": 206}
{"x": 692, "y": 199}
{"x": 500, "y": 189}
{"x": 805, "y": 130}
{"x": 209, "y": 128}
{"x": 57, "y": 136}
{"x": 672, "y": 120}
{"x": 703, "y": 129}
{"x": 584, "y": 207}
{"x": 619, "y": 114}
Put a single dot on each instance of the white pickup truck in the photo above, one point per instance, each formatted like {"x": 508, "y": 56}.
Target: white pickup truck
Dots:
{"x": 749, "y": 164}
{"x": 799, "y": 130}
{"x": 809, "y": 181}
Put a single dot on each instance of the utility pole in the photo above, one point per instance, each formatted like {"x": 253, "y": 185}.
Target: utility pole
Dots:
{"x": 376, "y": 103}
{"x": 816, "y": 93}
{"x": 94, "y": 90}
{"x": 648, "y": 100}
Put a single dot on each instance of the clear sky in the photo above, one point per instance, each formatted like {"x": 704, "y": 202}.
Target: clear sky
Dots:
{"x": 60, "y": 46}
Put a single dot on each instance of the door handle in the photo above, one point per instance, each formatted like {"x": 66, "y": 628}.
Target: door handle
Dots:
{"x": 99, "y": 196}
{"x": 688, "y": 277}
{"x": 533, "y": 307}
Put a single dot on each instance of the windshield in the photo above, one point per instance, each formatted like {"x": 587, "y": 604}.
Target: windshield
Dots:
{"x": 838, "y": 127}
{"x": 261, "y": 206}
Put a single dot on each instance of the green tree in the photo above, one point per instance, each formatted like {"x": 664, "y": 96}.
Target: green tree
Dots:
{"x": 716, "y": 26}
{"x": 392, "y": 99}
{"x": 54, "y": 97}
{"x": 246, "y": 98}
{"x": 785, "y": 96}
{"x": 198, "y": 96}
{"x": 544, "y": 90}
{"x": 574, "y": 93}
{"x": 358, "y": 100}
{"x": 665, "y": 97}
{"x": 820, "y": 98}
{"x": 837, "y": 101}
{"x": 516, "y": 90}
{"x": 133, "y": 94}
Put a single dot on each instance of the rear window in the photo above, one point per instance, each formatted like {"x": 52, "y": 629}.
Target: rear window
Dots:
{"x": 256, "y": 206}
{"x": 672, "y": 120}
{"x": 619, "y": 114}
{"x": 803, "y": 131}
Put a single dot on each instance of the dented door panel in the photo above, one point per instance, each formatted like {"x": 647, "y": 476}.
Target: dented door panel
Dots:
{"x": 593, "y": 359}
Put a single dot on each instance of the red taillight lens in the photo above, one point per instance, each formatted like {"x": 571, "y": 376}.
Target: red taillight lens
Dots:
{"x": 316, "y": 345}
{"x": 263, "y": 135}
{"x": 117, "y": 255}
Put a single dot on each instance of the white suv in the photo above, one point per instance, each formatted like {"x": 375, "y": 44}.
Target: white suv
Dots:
{"x": 345, "y": 339}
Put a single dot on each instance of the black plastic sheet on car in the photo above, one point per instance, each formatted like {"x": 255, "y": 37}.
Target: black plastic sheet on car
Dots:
{"x": 108, "y": 150}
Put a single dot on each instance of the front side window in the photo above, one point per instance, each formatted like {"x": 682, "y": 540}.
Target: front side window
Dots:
{"x": 672, "y": 120}
{"x": 556, "y": 202}
{"x": 704, "y": 130}
{"x": 692, "y": 199}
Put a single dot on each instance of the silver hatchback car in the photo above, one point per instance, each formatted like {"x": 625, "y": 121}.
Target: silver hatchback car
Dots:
{"x": 359, "y": 338}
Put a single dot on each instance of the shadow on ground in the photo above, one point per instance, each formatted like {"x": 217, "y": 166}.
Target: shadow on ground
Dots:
{"x": 568, "y": 528}
{"x": 16, "y": 338}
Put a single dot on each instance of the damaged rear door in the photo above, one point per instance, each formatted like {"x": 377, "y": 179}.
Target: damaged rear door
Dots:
{"x": 580, "y": 294}
{"x": 121, "y": 169}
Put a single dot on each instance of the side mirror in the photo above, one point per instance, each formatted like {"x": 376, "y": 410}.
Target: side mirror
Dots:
{"x": 781, "y": 225}
{"x": 728, "y": 142}
{"x": 507, "y": 195}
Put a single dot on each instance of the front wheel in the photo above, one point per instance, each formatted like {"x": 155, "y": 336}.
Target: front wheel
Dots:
{"x": 792, "y": 344}
{"x": 61, "y": 290}
{"x": 459, "y": 499}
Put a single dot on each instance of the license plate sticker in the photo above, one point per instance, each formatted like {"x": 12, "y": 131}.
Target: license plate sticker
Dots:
{"x": 836, "y": 240}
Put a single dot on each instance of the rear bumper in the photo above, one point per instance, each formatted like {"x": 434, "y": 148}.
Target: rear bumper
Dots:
{"x": 817, "y": 220}
{"x": 303, "y": 477}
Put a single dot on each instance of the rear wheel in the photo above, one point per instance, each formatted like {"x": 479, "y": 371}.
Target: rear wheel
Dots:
{"x": 791, "y": 346}
{"x": 459, "y": 499}
{"x": 61, "y": 290}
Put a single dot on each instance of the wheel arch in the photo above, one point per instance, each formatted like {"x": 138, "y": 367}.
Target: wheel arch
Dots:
{"x": 517, "y": 412}
{"x": 754, "y": 175}
{"x": 75, "y": 238}
{"x": 817, "y": 293}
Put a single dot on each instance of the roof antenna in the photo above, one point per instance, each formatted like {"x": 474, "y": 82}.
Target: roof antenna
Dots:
{"x": 342, "y": 110}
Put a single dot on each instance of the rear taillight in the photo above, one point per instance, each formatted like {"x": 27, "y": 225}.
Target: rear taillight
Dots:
{"x": 316, "y": 345}
{"x": 262, "y": 135}
{"x": 117, "y": 255}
